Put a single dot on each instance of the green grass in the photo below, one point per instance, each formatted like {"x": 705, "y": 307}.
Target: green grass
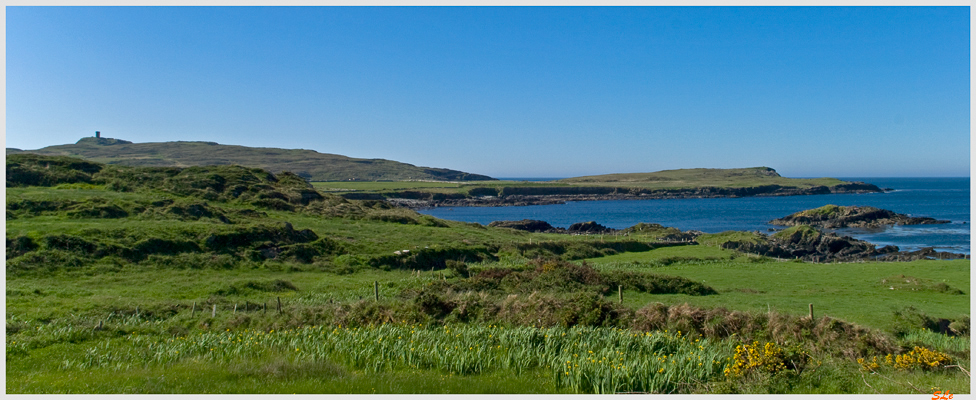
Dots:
{"x": 717, "y": 239}
{"x": 849, "y": 291}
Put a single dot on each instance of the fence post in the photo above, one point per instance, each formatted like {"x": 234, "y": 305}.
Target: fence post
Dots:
{"x": 620, "y": 293}
{"x": 265, "y": 307}
{"x": 811, "y": 311}
{"x": 213, "y": 314}
{"x": 279, "y": 305}
{"x": 193, "y": 310}
{"x": 235, "y": 308}
{"x": 376, "y": 290}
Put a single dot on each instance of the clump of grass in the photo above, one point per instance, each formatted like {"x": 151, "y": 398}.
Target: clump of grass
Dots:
{"x": 277, "y": 285}
{"x": 798, "y": 234}
{"x": 825, "y": 211}
{"x": 937, "y": 341}
{"x": 718, "y": 239}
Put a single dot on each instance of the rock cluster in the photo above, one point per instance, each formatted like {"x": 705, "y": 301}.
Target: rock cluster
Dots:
{"x": 588, "y": 227}
{"x": 657, "y": 231}
{"x": 832, "y": 217}
{"x": 810, "y": 244}
{"x": 529, "y": 225}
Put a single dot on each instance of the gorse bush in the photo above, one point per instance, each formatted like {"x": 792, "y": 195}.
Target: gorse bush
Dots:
{"x": 917, "y": 358}
{"x": 767, "y": 358}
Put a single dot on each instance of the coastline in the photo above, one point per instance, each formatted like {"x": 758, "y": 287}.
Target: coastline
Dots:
{"x": 416, "y": 200}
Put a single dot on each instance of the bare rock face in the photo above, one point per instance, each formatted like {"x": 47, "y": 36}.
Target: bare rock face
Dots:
{"x": 832, "y": 217}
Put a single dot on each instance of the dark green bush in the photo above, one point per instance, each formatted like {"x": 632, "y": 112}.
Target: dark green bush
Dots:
{"x": 20, "y": 245}
{"x": 255, "y": 236}
{"x": 655, "y": 284}
{"x": 69, "y": 243}
{"x": 458, "y": 267}
{"x": 588, "y": 309}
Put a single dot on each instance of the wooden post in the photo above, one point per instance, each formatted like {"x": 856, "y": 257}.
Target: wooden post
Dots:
{"x": 279, "y": 305}
{"x": 620, "y": 293}
{"x": 376, "y": 290}
{"x": 265, "y": 307}
{"x": 235, "y": 308}
{"x": 213, "y": 313}
{"x": 811, "y": 311}
{"x": 193, "y": 310}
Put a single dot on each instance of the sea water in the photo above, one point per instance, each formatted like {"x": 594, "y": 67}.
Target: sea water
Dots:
{"x": 939, "y": 198}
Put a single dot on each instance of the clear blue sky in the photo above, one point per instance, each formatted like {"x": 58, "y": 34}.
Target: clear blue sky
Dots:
{"x": 510, "y": 92}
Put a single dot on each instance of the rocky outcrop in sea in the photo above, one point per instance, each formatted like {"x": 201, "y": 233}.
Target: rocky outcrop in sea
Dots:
{"x": 833, "y": 217}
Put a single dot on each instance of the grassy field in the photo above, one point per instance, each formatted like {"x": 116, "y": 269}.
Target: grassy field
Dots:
{"x": 867, "y": 292}
{"x": 230, "y": 280}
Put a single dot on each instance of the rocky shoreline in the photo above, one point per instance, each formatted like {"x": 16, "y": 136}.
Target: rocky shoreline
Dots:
{"x": 544, "y": 196}
{"x": 802, "y": 242}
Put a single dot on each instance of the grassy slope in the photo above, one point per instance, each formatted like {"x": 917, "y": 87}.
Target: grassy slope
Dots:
{"x": 307, "y": 163}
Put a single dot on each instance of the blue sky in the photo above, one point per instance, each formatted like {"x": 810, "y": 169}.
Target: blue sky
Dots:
{"x": 510, "y": 92}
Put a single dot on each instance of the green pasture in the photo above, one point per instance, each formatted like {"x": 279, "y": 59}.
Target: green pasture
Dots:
{"x": 865, "y": 293}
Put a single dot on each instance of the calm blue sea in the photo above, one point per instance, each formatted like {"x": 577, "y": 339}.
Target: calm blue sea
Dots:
{"x": 940, "y": 198}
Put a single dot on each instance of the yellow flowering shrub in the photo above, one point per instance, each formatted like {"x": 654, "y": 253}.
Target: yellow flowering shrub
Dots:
{"x": 769, "y": 357}
{"x": 918, "y": 358}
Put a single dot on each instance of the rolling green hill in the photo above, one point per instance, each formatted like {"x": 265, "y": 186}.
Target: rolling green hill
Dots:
{"x": 309, "y": 164}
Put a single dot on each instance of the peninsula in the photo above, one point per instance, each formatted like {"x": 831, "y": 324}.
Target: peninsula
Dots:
{"x": 670, "y": 184}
